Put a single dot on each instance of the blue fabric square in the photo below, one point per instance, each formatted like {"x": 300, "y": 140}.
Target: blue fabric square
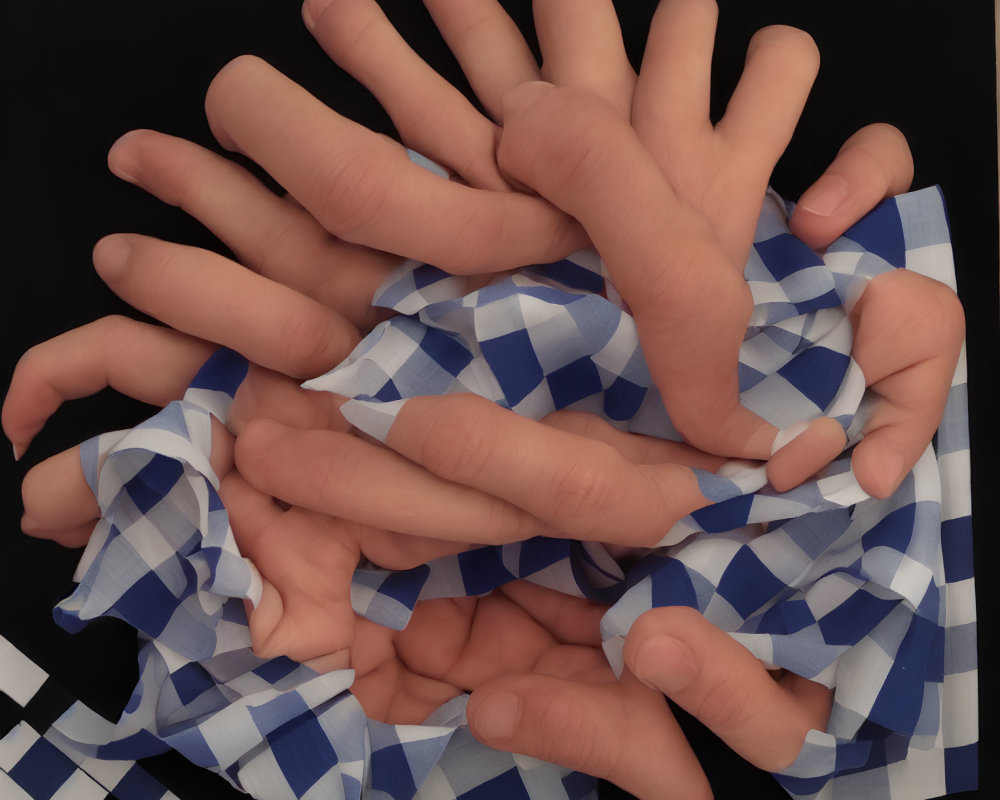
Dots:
{"x": 894, "y": 531}
{"x": 388, "y": 392}
{"x": 190, "y": 681}
{"x": 391, "y": 772}
{"x": 446, "y": 350}
{"x": 572, "y": 275}
{"x": 542, "y": 551}
{"x": 425, "y": 275}
{"x": 154, "y": 481}
{"x": 138, "y": 785}
{"x": 817, "y": 373}
{"x": 223, "y": 372}
{"x": 42, "y": 770}
{"x": 483, "y": 570}
{"x": 507, "y": 785}
{"x": 303, "y": 751}
{"x": 277, "y": 668}
{"x": 962, "y": 768}
{"x": 784, "y": 255}
{"x": 514, "y": 363}
{"x": 405, "y": 585}
{"x": 577, "y": 784}
{"x": 724, "y": 516}
{"x": 747, "y": 584}
{"x": 786, "y": 617}
{"x": 881, "y": 232}
{"x": 147, "y": 605}
{"x": 622, "y": 399}
{"x": 850, "y": 622}
{"x": 573, "y": 382}
{"x": 672, "y": 586}
{"x": 956, "y": 544}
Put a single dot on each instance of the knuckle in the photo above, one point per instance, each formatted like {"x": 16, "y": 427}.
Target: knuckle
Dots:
{"x": 305, "y": 340}
{"x": 581, "y": 496}
{"x": 724, "y": 704}
{"x": 351, "y": 188}
{"x": 460, "y": 437}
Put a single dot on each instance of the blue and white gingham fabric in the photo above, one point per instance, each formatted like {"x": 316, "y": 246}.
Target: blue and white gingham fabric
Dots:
{"x": 874, "y": 598}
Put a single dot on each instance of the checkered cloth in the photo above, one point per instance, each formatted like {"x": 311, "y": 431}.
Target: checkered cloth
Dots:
{"x": 874, "y": 598}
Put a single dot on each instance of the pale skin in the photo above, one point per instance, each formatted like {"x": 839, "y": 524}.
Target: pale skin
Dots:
{"x": 284, "y": 243}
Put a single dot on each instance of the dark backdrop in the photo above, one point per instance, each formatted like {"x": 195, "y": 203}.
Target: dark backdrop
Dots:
{"x": 76, "y": 75}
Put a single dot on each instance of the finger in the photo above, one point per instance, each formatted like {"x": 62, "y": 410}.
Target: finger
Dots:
{"x": 637, "y": 449}
{"x": 346, "y": 477}
{"x": 719, "y": 682}
{"x": 307, "y": 561}
{"x": 622, "y": 733}
{"x": 582, "y": 46}
{"x": 431, "y": 115}
{"x": 58, "y": 502}
{"x": 873, "y": 164}
{"x": 209, "y": 296}
{"x": 908, "y": 336}
{"x": 580, "y": 487}
{"x": 674, "y": 86}
{"x": 571, "y": 620}
{"x": 147, "y": 362}
{"x": 363, "y": 188}
{"x": 488, "y": 46}
{"x": 691, "y": 304}
{"x": 268, "y": 234}
{"x": 764, "y": 109}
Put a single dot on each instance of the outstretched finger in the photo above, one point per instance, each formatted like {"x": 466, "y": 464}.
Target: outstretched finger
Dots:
{"x": 764, "y": 109}
{"x": 671, "y": 108}
{"x": 363, "y": 188}
{"x": 268, "y": 234}
{"x": 715, "y": 679}
{"x": 583, "y": 488}
{"x": 209, "y": 296}
{"x": 623, "y": 732}
{"x": 908, "y": 337}
{"x": 431, "y": 115}
{"x": 146, "y": 362}
{"x": 873, "y": 164}
{"x": 582, "y": 46}
{"x": 488, "y": 45}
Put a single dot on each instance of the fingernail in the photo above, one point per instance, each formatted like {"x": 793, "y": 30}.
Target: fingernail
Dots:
{"x": 312, "y": 10}
{"x": 111, "y": 255}
{"x": 825, "y": 196}
{"x": 121, "y": 163}
{"x": 786, "y": 435}
{"x": 497, "y": 716}
{"x": 665, "y": 664}
{"x": 18, "y": 452}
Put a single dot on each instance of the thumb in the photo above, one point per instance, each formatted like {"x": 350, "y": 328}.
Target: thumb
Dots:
{"x": 719, "y": 682}
{"x": 622, "y": 732}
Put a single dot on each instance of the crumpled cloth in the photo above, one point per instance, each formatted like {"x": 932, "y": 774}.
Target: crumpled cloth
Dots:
{"x": 873, "y": 598}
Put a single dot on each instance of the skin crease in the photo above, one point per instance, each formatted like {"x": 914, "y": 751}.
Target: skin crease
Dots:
{"x": 319, "y": 236}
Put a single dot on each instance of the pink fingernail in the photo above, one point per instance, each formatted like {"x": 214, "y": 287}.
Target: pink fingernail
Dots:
{"x": 18, "y": 452}
{"x": 312, "y": 10}
{"x": 825, "y": 196}
{"x": 120, "y": 163}
{"x": 111, "y": 255}
{"x": 665, "y": 664}
{"x": 497, "y": 716}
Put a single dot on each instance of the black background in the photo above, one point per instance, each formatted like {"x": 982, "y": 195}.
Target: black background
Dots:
{"x": 75, "y": 75}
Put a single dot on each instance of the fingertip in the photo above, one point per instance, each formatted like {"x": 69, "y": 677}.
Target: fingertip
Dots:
{"x": 122, "y": 159}
{"x": 493, "y": 718}
{"x": 523, "y": 97}
{"x": 664, "y": 663}
{"x": 803, "y": 449}
{"x": 880, "y": 470}
{"x": 111, "y": 255}
{"x": 259, "y": 437}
